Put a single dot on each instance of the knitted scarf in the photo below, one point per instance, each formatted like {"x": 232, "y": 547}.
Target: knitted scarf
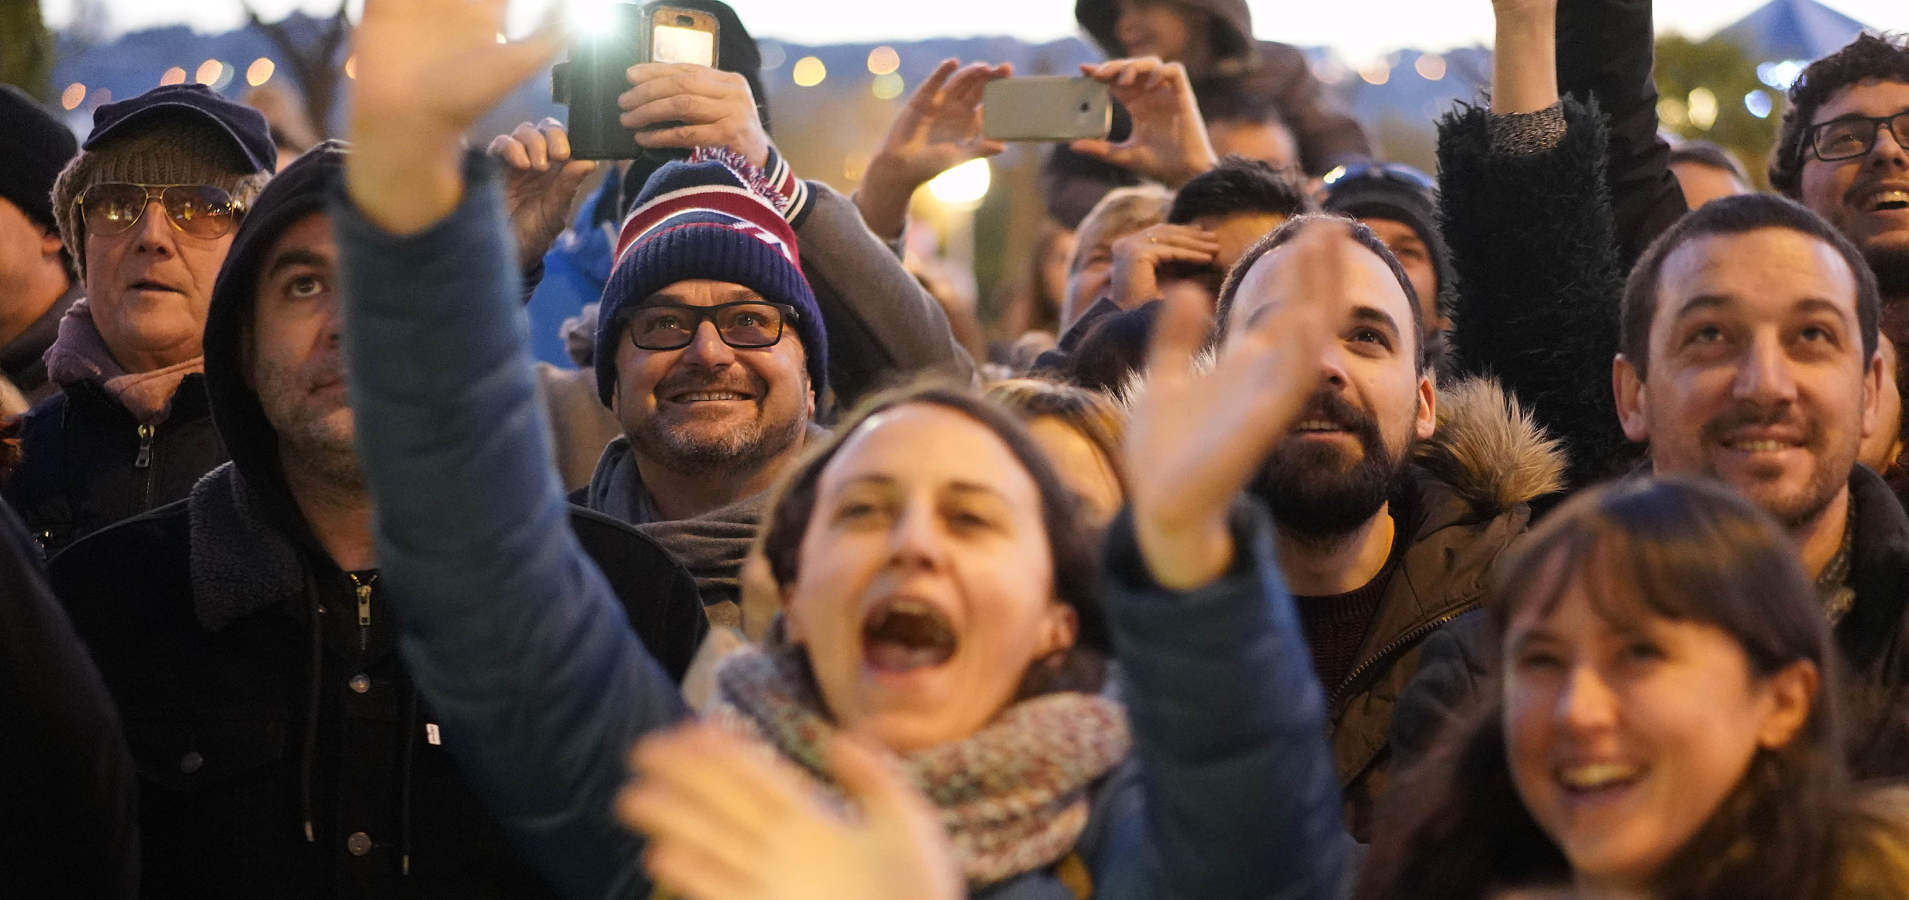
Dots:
{"x": 80, "y": 354}
{"x": 1013, "y": 796}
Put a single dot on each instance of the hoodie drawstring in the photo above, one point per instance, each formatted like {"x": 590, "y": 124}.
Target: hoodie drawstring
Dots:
{"x": 311, "y": 712}
{"x": 404, "y": 801}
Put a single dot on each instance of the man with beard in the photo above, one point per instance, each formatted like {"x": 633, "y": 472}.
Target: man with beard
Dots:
{"x": 711, "y": 351}
{"x": 247, "y": 640}
{"x": 1391, "y": 499}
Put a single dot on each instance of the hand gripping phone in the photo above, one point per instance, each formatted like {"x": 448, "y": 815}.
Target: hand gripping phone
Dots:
{"x": 593, "y": 76}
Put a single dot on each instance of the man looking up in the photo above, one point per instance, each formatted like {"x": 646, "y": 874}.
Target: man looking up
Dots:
{"x": 1390, "y": 500}
{"x": 147, "y": 208}
{"x": 247, "y": 638}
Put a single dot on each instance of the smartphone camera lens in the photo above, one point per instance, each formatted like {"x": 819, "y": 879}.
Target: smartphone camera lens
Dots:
{"x": 1083, "y": 106}
{"x": 685, "y": 21}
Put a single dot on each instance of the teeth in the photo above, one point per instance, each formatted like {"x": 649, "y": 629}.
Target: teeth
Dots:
{"x": 707, "y": 395}
{"x": 1316, "y": 425}
{"x": 1596, "y": 775}
{"x": 1887, "y": 198}
{"x": 1759, "y": 446}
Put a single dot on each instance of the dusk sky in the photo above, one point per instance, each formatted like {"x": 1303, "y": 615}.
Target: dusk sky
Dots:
{"x": 1358, "y": 29}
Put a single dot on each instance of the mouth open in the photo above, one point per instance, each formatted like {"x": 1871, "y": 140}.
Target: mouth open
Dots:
{"x": 905, "y": 635}
{"x": 1317, "y": 426}
{"x": 1598, "y": 781}
{"x": 709, "y": 396}
{"x": 1884, "y": 201}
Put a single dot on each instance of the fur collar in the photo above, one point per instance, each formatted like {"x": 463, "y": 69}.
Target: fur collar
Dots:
{"x": 1487, "y": 447}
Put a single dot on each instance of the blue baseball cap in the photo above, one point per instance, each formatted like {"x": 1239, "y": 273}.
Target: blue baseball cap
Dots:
{"x": 243, "y": 124}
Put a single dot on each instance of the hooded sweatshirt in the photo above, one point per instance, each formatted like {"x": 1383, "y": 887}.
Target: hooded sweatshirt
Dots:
{"x": 281, "y": 744}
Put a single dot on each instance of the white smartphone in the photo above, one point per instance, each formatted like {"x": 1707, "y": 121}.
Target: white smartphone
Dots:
{"x": 1045, "y": 108}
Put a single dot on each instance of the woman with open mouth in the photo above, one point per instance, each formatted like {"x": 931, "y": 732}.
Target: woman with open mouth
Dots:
{"x": 1660, "y": 728}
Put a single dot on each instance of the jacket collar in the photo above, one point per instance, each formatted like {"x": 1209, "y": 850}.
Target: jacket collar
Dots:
{"x": 1878, "y": 569}
{"x": 241, "y": 562}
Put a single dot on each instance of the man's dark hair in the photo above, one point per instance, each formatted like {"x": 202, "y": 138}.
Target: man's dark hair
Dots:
{"x": 1705, "y": 153}
{"x": 1734, "y": 215}
{"x": 1421, "y": 356}
{"x": 1237, "y": 185}
{"x": 1884, "y": 56}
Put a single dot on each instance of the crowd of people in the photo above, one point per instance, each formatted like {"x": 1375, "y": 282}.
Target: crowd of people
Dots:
{"x": 1311, "y": 526}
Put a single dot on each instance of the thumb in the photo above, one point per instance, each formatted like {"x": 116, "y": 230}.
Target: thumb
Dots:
{"x": 870, "y": 778}
{"x": 573, "y": 174}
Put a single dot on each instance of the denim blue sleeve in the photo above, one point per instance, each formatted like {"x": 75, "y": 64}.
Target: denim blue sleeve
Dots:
{"x": 509, "y": 629}
{"x": 1240, "y": 793}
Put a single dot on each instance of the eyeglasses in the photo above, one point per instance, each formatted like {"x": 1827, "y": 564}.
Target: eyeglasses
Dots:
{"x": 1396, "y": 172}
{"x": 200, "y": 210}
{"x": 743, "y": 324}
{"x": 1853, "y": 136}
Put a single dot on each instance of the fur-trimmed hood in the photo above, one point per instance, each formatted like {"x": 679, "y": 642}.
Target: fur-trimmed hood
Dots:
{"x": 1487, "y": 447}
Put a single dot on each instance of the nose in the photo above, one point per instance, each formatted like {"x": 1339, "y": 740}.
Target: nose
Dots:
{"x": 153, "y": 233}
{"x": 1764, "y": 375}
{"x": 1332, "y": 363}
{"x": 1587, "y": 704}
{"x": 1889, "y": 150}
{"x": 706, "y": 347}
{"x": 915, "y": 538}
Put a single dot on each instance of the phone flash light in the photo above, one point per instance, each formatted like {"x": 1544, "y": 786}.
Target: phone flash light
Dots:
{"x": 590, "y": 17}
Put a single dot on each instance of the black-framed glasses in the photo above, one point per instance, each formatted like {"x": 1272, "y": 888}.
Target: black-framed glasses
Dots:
{"x": 1852, "y": 136}
{"x": 1382, "y": 171}
{"x": 200, "y": 210}
{"x": 743, "y": 324}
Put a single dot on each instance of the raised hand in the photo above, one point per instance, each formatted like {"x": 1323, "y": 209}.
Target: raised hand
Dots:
{"x": 939, "y": 127}
{"x": 427, "y": 70}
{"x": 1524, "y": 59}
{"x": 1138, "y": 256}
{"x": 1168, "y": 143}
{"x": 726, "y": 821}
{"x": 712, "y": 108}
{"x": 1194, "y": 441}
{"x": 540, "y": 180}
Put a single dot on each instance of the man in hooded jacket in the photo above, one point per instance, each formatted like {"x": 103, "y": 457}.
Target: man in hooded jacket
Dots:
{"x": 244, "y": 633}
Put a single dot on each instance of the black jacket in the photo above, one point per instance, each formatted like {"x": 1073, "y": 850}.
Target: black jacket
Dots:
{"x": 87, "y": 463}
{"x": 68, "y": 824}
{"x": 282, "y": 748}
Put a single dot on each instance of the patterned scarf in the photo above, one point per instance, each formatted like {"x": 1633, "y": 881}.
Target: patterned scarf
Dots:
{"x": 80, "y": 354}
{"x": 1013, "y": 796}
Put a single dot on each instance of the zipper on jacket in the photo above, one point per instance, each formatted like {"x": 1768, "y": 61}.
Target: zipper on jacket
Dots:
{"x": 363, "y": 590}
{"x": 1403, "y": 640}
{"x": 144, "y": 459}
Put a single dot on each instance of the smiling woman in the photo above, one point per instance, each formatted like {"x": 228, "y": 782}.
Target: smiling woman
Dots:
{"x": 1662, "y": 728}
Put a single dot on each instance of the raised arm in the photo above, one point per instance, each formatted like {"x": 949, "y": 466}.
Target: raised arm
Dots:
{"x": 509, "y": 630}
{"x": 1241, "y": 793}
{"x": 1525, "y": 212}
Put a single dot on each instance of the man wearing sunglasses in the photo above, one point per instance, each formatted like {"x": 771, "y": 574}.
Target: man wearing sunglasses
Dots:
{"x": 148, "y": 209}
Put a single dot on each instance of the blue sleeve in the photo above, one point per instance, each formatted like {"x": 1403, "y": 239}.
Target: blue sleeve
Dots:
{"x": 507, "y": 627}
{"x": 1241, "y": 795}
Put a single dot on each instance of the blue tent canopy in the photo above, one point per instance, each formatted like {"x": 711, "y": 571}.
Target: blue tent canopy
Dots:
{"x": 1792, "y": 29}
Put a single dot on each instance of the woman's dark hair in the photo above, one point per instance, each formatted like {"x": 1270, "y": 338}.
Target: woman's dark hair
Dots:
{"x": 1685, "y": 550}
{"x": 1081, "y": 667}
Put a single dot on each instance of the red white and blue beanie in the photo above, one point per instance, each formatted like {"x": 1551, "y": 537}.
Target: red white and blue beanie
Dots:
{"x": 714, "y": 217}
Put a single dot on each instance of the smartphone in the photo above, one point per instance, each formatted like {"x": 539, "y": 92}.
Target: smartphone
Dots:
{"x": 1045, "y": 108}
{"x": 593, "y": 76}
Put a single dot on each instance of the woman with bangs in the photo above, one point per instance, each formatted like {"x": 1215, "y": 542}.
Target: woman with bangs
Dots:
{"x": 1660, "y": 727}
{"x": 936, "y": 722}
{"x": 1080, "y": 430}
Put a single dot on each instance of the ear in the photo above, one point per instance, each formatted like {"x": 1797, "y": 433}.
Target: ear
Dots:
{"x": 50, "y": 244}
{"x": 1790, "y": 693}
{"x": 1425, "y": 422}
{"x": 1873, "y": 376}
{"x": 1060, "y": 628}
{"x": 1631, "y": 399}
